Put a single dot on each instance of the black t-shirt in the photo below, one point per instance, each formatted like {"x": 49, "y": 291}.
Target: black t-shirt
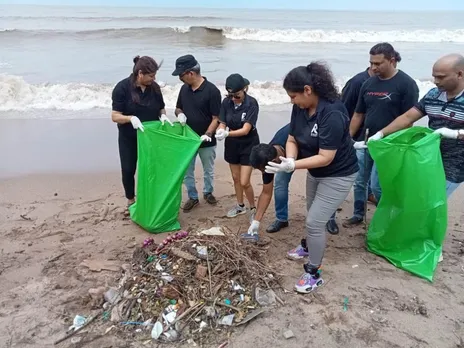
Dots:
{"x": 200, "y": 106}
{"x": 280, "y": 139}
{"x": 382, "y": 101}
{"x": 235, "y": 117}
{"x": 350, "y": 95}
{"x": 327, "y": 129}
{"x": 147, "y": 108}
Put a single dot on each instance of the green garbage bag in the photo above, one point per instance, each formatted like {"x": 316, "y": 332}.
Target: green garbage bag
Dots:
{"x": 409, "y": 224}
{"x": 164, "y": 154}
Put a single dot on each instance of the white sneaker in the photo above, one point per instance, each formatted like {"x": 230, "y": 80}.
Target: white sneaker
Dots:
{"x": 235, "y": 211}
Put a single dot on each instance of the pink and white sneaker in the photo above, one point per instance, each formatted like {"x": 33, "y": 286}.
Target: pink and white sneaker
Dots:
{"x": 308, "y": 283}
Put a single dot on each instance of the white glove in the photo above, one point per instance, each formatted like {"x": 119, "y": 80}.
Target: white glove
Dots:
{"x": 254, "y": 227}
{"x": 376, "y": 136}
{"x": 447, "y": 133}
{"x": 206, "y": 138}
{"x": 182, "y": 119}
{"x": 359, "y": 145}
{"x": 221, "y": 134}
{"x": 136, "y": 123}
{"x": 287, "y": 165}
{"x": 164, "y": 118}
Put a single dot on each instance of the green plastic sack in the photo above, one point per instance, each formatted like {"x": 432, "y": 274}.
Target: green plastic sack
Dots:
{"x": 164, "y": 154}
{"x": 409, "y": 224}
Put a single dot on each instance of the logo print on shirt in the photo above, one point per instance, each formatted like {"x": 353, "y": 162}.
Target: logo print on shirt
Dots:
{"x": 243, "y": 116}
{"x": 381, "y": 95}
{"x": 314, "y": 131}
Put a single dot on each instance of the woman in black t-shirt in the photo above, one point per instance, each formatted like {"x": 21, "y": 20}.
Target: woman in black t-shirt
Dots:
{"x": 136, "y": 99}
{"x": 238, "y": 117}
{"x": 319, "y": 142}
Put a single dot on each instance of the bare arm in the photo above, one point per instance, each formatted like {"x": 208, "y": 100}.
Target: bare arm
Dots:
{"x": 118, "y": 117}
{"x": 355, "y": 123}
{"x": 213, "y": 125}
{"x": 264, "y": 200}
{"x": 242, "y": 131}
{"x": 291, "y": 147}
{"x": 250, "y": 120}
{"x": 162, "y": 112}
{"x": 403, "y": 121}
{"x": 178, "y": 111}
{"x": 322, "y": 159}
{"x": 222, "y": 125}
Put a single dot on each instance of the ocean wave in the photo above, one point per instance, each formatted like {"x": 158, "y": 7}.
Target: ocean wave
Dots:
{"x": 18, "y": 95}
{"x": 263, "y": 35}
{"x": 112, "y": 18}
{"x": 344, "y": 36}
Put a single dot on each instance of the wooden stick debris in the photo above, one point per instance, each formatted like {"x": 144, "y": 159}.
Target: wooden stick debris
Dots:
{"x": 80, "y": 328}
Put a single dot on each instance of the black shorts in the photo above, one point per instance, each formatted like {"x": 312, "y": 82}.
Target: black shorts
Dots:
{"x": 238, "y": 150}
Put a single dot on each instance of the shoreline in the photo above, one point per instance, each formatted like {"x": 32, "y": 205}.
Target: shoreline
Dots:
{"x": 88, "y": 145}
{"x": 70, "y": 146}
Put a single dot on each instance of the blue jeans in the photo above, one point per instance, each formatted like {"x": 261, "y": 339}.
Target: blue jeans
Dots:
{"x": 281, "y": 182}
{"x": 207, "y": 157}
{"x": 360, "y": 183}
{"x": 451, "y": 187}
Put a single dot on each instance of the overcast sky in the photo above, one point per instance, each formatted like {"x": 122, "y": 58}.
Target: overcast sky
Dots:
{"x": 393, "y": 5}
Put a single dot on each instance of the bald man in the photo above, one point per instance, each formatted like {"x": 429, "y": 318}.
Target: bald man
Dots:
{"x": 444, "y": 105}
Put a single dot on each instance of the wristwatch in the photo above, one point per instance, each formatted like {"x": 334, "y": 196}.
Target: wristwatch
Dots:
{"x": 209, "y": 134}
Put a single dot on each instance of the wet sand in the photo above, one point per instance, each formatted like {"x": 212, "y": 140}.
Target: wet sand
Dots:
{"x": 61, "y": 202}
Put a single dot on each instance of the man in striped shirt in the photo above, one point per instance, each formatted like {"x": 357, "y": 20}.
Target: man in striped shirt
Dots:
{"x": 444, "y": 105}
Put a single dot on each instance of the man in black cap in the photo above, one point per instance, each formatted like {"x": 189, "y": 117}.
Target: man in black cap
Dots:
{"x": 198, "y": 105}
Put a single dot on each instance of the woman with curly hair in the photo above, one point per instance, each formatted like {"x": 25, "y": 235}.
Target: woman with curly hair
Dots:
{"x": 319, "y": 142}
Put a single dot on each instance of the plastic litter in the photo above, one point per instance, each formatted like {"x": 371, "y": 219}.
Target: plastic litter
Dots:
{"x": 78, "y": 322}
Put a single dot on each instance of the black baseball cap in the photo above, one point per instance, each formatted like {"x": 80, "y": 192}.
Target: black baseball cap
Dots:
{"x": 184, "y": 64}
{"x": 235, "y": 83}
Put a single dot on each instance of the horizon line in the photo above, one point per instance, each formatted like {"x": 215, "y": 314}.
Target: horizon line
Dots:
{"x": 233, "y": 8}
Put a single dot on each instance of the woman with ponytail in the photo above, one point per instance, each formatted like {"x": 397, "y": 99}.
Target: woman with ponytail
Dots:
{"x": 320, "y": 143}
{"x": 136, "y": 99}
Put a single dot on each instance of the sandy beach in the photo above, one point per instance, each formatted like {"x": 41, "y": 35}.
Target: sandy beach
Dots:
{"x": 61, "y": 202}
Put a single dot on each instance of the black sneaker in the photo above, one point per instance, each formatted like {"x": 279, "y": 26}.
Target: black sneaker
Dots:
{"x": 190, "y": 204}
{"x": 352, "y": 221}
{"x": 332, "y": 227}
{"x": 210, "y": 199}
{"x": 276, "y": 226}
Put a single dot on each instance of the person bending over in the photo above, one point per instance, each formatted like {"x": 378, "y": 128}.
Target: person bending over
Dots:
{"x": 260, "y": 155}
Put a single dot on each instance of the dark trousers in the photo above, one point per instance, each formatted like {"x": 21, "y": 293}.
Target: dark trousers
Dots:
{"x": 128, "y": 156}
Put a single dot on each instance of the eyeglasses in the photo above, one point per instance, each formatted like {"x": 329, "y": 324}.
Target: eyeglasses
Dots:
{"x": 234, "y": 95}
{"x": 183, "y": 74}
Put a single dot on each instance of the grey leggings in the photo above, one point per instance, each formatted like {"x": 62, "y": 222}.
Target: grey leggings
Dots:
{"x": 323, "y": 197}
